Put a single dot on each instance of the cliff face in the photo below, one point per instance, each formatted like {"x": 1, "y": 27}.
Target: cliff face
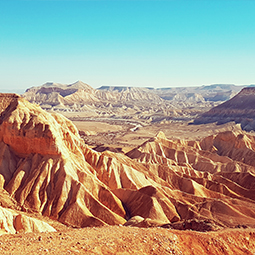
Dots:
{"x": 240, "y": 109}
{"x": 46, "y": 167}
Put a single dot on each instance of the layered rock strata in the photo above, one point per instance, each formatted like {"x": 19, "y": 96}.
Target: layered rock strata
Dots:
{"x": 42, "y": 166}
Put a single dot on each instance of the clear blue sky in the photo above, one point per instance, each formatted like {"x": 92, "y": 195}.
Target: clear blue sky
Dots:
{"x": 139, "y": 43}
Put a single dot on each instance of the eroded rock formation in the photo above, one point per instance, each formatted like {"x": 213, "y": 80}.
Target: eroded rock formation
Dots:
{"x": 43, "y": 167}
{"x": 47, "y": 168}
{"x": 13, "y": 222}
{"x": 208, "y": 179}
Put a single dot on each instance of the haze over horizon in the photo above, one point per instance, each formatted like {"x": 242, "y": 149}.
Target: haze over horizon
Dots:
{"x": 133, "y": 43}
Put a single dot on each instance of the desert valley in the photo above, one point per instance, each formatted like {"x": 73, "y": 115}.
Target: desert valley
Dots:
{"x": 126, "y": 170}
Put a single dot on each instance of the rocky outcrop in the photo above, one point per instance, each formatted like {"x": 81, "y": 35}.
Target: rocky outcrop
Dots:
{"x": 194, "y": 224}
{"x": 138, "y": 221}
{"x": 44, "y": 169}
{"x": 13, "y": 222}
{"x": 239, "y": 109}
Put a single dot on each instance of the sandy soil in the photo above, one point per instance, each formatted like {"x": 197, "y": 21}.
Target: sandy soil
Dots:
{"x": 130, "y": 240}
{"x": 96, "y": 126}
{"x": 120, "y": 134}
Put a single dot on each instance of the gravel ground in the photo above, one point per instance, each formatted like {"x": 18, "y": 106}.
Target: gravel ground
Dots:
{"x": 130, "y": 240}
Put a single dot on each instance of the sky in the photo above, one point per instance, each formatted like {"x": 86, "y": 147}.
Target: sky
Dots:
{"x": 146, "y": 43}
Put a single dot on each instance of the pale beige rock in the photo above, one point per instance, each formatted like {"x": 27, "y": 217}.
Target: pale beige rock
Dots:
{"x": 11, "y": 222}
{"x": 134, "y": 221}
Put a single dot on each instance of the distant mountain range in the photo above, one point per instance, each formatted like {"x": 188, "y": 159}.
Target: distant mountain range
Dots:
{"x": 147, "y": 104}
{"x": 214, "y": 93}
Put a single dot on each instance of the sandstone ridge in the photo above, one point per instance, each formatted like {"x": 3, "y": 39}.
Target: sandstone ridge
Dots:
{"x": 43, "y": 167}
{"x": 239, "y": 109}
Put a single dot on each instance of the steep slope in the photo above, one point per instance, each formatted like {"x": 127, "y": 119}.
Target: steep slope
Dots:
{"x": 240, "y": 109}
{"x": 205, "y": 183}
{"x": 13, "y": 220}
{"x": 43, "y": 167}
{"x": 48, "y": 169}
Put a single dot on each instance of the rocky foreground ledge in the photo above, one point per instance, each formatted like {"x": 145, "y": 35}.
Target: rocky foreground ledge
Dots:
{"x": 130, "y": 240}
